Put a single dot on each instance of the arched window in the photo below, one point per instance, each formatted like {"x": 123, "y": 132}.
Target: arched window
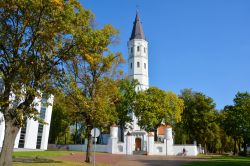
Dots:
{"x": 132, "y": 49}
{"x": 131, "y": 65}
{"x": 138, "y": 64}
{"x": 144, "y": 50}
{"x": 138, "y": 48}
{"x": 145, "y": 66}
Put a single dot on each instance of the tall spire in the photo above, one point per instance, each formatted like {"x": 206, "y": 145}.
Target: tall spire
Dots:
{"x": 137, "y": 32}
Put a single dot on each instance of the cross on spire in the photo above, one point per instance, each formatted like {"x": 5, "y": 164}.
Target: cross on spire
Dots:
{"x": 137, "y": 9}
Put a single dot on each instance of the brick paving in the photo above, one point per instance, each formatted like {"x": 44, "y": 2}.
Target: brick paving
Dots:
{"x": 134, "y": 160}
{"x": 105, "y": 158}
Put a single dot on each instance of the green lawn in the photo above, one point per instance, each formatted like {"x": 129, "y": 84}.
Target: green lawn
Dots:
{"x": 44, "y": 153}
{"x": 45, "y": 158}
{"x": 218, "y": 163}
{"x": 222, "y": 161}
{"x": 64, "y": 163}
{"x": 231, "y": 158}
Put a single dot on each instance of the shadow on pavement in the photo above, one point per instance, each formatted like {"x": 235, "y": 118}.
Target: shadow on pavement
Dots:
{"x": 34, "y": 160}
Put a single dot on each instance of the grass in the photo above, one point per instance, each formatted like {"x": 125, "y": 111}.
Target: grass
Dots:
{"x": 44, "y": 153}
{"x": 45, "y": 158}
{"x": 230, "y": 158}
{"x": 222, "y": 161}
{"x": 217, "y": 163}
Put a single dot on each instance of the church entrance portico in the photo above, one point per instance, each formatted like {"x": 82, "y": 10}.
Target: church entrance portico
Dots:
{"x": 138, "y": 144}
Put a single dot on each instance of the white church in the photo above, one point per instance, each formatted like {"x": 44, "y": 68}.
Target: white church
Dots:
{"x": 33, "y": 135}
{"x": 138, "y": 141}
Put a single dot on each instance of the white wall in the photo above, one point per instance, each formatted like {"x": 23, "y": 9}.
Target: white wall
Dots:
{"x": 121, "y": 148}
{"x": 139, "y": 73}
{"x": 99, "y": 148}
{"x": 2, "y": 128}
{"x": 78, "y": 147}
{"x": 159, "y": 149}
{"x": 46, "y": 127}
{"x": 32, "y": 129}
{"x": 191, "y": 150}
{"x": 31, "y": 134}
{"x": 113, "y": 146}
{"x": 168, "y": 148}
{"x": 116, "y": 147}
{"x": 126, "y": 148}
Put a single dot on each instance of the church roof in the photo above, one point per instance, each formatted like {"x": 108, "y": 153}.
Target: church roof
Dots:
{"x": 137, "y": 32}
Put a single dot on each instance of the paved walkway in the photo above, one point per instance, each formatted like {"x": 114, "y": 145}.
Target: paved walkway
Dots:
{"x": 150, "y": 161}
{"x": 134, "y": 160}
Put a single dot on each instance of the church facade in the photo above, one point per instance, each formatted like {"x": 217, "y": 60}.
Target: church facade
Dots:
{"x": 137, "y": 140}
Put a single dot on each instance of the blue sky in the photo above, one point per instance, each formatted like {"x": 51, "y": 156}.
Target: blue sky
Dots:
{"x": 198, "y": 44}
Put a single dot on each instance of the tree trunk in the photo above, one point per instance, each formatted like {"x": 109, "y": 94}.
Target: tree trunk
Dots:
{"x": 122, "y": 134}
{"x": 155, "y": 135}
{"x": 8, "y": 144}
{"x": 65, "y": 138}
{"x": 245, "y": 148}
{"x": 234, "y": 146}
{"x": 76, "y": 131}
{"x": 205, "y": 148}
{"x": 89, "y": 145}
{"x": 239, "y": 148}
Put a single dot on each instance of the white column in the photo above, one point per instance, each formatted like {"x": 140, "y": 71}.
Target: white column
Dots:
{"x": 129, "y": 150}
{"x": 112, "y": 143}
{"x": 46, "y": 127}
{"x": 169, "y": 141}
{"x": 31, "y": 134}
{"x": 32, "y": 129}
{"x": 2, "y": 129}
{"x": 114, "y": 131}
{"x": 150, "y": 144}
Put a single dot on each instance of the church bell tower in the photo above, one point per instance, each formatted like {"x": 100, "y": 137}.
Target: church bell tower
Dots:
{"x": 138, "y": 55}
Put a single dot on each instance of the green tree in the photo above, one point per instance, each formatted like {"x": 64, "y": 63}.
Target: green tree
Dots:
{"x": 199, "y": 117}
{"x": 125, "y": 103}
{"x": 181, "y": 136}
{"x": 242, "y": 106}
{"x": 227, "y": 143}
{"x": 230, "y": 125}
{"x": 60, "y": 121}
{"x": 90, "y": 89}
{"x": 35, "y": 37}
{"x": 214, "y": 143}
{"x": 155, "y": 106}
{"x": 236, "y": 121}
